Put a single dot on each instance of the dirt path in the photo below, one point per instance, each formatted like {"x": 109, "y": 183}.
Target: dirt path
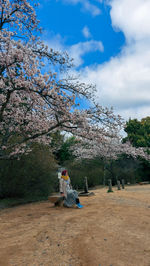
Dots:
{"x": 111, "y": 229}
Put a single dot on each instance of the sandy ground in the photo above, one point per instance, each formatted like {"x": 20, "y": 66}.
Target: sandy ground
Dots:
{"x": 113, "y": 229}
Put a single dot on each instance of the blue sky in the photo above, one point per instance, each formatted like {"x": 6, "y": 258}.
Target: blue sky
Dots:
{"x": 109, "y": 41}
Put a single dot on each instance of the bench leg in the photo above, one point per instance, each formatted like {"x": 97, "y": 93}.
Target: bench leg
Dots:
{"x": 59, "y": 201}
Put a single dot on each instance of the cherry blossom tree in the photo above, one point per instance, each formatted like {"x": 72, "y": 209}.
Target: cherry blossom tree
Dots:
{"x": 36, "y": 99}
{"x": 109, "y": 147}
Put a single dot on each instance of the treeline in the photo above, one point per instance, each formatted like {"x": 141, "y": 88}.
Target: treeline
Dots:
{"x": 35, "y": 175}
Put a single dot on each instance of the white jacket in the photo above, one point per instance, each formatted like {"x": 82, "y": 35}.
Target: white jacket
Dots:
{"x": 64, "y": 186}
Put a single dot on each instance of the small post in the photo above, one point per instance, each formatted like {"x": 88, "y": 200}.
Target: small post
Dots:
{"x": 122, "y": 183}
{"x": 109, "y": 186}
{"x": 85, "y": 185}
{"x": 118, "y": 185}
{"x": 104, "y": 175}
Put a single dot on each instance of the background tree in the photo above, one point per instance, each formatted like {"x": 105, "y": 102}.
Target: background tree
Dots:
{"x": 64, "y": 153}
{"x": 138, "y": 133}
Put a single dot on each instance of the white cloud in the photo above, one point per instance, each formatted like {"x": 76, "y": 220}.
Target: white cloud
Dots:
{"x": 86, "y": 6}
{"x": 86, "y": 32}
{"x": 124, "y": 81}
{"x": 55, "y": 42}
{"x": 132, "y": 17}
{"x": 138, "y": 112}
{"x": 78, "y": 50}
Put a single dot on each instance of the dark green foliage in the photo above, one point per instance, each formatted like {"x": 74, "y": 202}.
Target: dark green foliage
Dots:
{"x": 139, "y": 135}
{"x": 64, "y": 153}
{"x": 34, "y": 175}
{"x": 138, "y": 132}
{"x": 111, "y": 171}
{"x": 127, "y": 168}
{"x": 62, "y": 147}
{"x": 143, "y": 172}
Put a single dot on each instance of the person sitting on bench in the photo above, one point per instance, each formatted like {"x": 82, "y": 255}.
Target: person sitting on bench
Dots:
{"x": 70, "y": 196}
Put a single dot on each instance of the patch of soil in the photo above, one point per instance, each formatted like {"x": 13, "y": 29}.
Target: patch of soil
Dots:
{"x": 111, "y": 229}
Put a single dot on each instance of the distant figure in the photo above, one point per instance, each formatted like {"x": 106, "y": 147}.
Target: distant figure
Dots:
{"x": 70, "y": 196}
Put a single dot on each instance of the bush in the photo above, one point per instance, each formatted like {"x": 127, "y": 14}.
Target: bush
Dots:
{"x": 34, "y": 175}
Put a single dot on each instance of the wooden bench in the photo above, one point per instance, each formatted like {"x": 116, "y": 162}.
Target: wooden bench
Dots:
{"x": 56, "y": 199}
